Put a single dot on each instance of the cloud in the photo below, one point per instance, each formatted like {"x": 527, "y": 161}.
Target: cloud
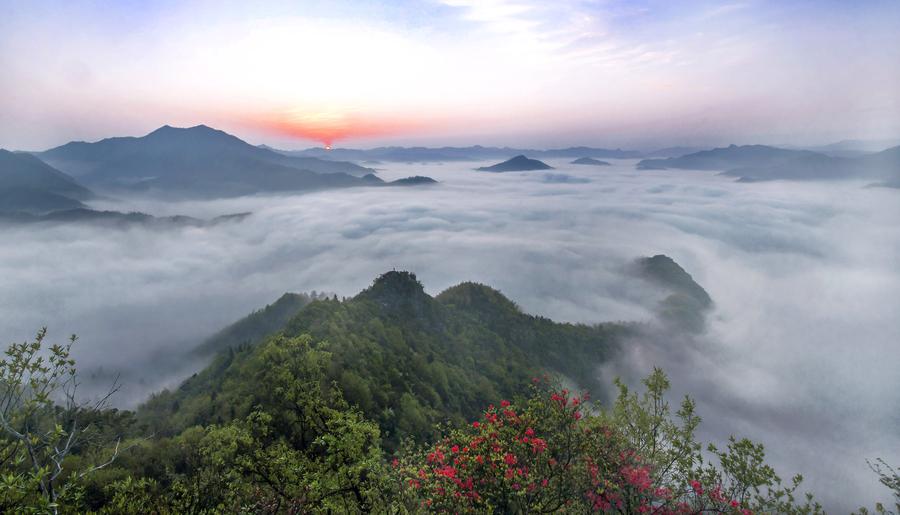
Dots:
{"x": 519, "y": 72}
{"x": 800, "y": 352}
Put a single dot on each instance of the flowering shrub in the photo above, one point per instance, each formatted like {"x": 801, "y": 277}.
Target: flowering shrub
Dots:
{"x": 551, "y": 453}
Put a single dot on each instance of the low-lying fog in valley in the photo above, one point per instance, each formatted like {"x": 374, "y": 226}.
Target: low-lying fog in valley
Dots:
{"x": 801, "y": 350}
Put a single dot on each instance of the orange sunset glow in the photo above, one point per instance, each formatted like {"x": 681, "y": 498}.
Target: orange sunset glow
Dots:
{"x": 329, "y": 127}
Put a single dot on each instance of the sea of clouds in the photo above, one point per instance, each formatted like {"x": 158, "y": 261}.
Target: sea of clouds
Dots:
{"x": 802, "y": 351}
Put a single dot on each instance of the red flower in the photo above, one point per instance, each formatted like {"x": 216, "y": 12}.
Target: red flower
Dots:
{"x": 529, "y": 432}
{"x": 476, "y": 424}
{"x": 510, "y": 459}
{"x": 447, "y": 471}
{"x": 696, "y": 486}
{"x": 639, "y": 477}
{"x": 504, "y": 403}
{"x": 455, "y": 449}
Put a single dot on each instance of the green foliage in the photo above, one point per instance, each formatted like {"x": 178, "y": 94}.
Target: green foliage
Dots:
{"x": 301, "y": 448}
{"x": 253, "y": 328}
{"x": 37, "y": 435}
{"x": 407, "y": 360}
{"x": 887, "y": 476}
{"x": 292, "y": 426}
{"x": 548, "y": 454}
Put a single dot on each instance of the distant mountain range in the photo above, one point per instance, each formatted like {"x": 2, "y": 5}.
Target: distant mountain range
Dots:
{"x": 761, "y": 163}
{"x": 672, "y": 152}
{"x": 114, "y": 218}
{"x": 589, "y": 161}
{"x": 195, "y": 162}
{"x": 845, "y": 148}
{"x": 473, "y": 153}
{"x": 852, "y": 147}
{"x": 32, "y": 191}
{"x": 202, "y": 162}
{"x": 519, "y": 163}
{"x": 29, "y": 185}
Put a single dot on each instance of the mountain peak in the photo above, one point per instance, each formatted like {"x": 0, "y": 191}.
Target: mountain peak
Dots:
{"x": 399, "y": 282}
{"x": 399, "y": 291}
{"x": 663, "y": 270}
{"x": 168, "y": 130}
{"x": 478, "y": 298}
{"x": 519, "y": 163}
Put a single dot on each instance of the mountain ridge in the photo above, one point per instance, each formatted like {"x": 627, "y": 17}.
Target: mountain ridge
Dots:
{"x": 196, "y": 161}
{"x": 751, "y": 163}
{"x": 406, "y": 358}
{"x": 519, "y": 163}
{"x": 28, "y": 185}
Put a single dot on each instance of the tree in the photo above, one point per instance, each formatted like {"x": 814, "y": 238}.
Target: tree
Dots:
{"x": 41, "y": 424}
{"x": 887, "y": 476}
{"x": 549, "y": 454}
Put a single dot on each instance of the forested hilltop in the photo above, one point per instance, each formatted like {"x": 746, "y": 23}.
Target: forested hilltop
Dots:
{"x": 406, "y": 359}
{"x": 392, "y": 401}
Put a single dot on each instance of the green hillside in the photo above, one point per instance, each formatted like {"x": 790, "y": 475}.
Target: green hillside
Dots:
{"x": 405, "y": 358}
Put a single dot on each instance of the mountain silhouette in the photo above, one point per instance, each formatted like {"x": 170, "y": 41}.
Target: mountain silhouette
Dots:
{"x": 519, "y": 163}
{"x": 196, "y": 162}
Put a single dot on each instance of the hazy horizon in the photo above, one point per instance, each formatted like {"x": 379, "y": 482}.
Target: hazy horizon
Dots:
{"x": 876, "y": 143}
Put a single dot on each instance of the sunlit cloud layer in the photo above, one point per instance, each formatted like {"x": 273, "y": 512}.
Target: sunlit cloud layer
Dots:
{"x": 459, "y": 71}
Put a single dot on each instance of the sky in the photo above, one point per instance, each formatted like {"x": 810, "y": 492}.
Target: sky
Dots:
{"x": 358, "y": 73}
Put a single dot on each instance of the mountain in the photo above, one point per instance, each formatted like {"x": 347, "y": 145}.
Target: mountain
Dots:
{"x": 29, "y": 185}
{"x": 115, "y": 218}
{"x": 884, "y": 166}
{"x": 407, "y": 359}
{"x": 686, "y": 303}
{"x": 196, "y": 161}
{"x": 760, "y": 163}
{"x": 34, "y": 202}
{"x": 589, "y": 151}
{"x": 672, "y": 152}
{"x": 729, "y": 158}
{"x": 880, "y": 166}
{"x": 472, "y": 153}
{"x": 519, "y": 163}
{"x": 416, "y": 180}
{"x": 589, "y": 161}
{"x": 855, "y": 147}
{"x": 251, "y": 329}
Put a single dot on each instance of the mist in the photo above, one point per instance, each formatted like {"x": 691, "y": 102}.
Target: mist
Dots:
{"x": 801, "y": 350}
